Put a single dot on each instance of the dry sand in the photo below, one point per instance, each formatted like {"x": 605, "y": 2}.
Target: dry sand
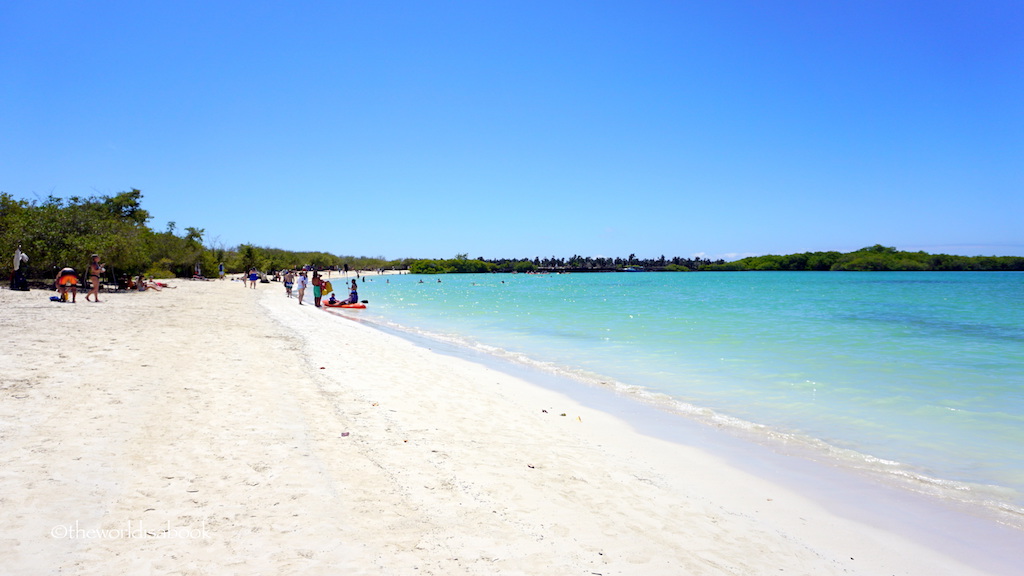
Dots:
{"x": 214, "y": 429}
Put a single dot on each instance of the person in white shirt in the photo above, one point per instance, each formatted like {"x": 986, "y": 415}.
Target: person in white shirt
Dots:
{"x": 19, "y": 282}
{"x": 300, "y": 284}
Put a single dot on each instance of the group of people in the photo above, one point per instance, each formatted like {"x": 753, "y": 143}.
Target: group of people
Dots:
{"x": 300, "y": 282}
{"x": 67, "y": 283}
{"x": 353, "y": 295}
{"x": 67, "y": 280}
{"x": 144, "y": 284}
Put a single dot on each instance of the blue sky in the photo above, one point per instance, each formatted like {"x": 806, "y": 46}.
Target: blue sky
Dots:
{"x": 519, "y": 128}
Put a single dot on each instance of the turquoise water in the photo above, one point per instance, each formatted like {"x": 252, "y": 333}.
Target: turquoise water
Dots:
{"x": 919, "y": 376}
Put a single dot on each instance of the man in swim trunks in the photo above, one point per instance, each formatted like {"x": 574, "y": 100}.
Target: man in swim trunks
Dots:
{"x": 67, "y": 280}
{"x": 318, "y": 284}
{"x": 95, "y": 269}
{"x": 289, "y": 281}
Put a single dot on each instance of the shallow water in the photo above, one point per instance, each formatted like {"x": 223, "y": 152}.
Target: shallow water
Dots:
{"x": 915, "y": 376}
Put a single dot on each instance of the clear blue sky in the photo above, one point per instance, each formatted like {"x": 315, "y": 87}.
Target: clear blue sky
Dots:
{"x": 527, "y": 128}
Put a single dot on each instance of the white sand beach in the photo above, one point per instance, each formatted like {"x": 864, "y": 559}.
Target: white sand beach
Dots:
{"x": 215, "y": 429}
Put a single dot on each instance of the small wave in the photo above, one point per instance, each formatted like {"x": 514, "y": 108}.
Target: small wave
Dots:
{"x": 997, "y": 500}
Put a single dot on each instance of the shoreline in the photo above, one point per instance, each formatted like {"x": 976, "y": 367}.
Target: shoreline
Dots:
{"x": 961, "y": 481}
{"x": 867, "y": 496}
{"x": 302, "y": 444}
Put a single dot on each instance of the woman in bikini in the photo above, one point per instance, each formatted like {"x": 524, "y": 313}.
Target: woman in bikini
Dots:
{"x": 95, "y": 269}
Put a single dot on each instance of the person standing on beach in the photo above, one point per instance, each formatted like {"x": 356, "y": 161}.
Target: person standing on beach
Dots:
{"x": 19, "y": 282}
{"x": 95, "y": 269}
{"x": 289, "y": 281}
{"x": 318, "y": 292}
{"x": 253, "y": 277}
{"x": 300, "y": 284}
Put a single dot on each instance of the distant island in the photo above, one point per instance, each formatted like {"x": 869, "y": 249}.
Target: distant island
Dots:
{"x": 462, "y": 264}
{"x": 874, "y": 258}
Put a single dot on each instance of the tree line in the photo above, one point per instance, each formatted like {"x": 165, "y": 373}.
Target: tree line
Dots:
{"x": 872, "y": 258}
{"x": 58, "y": 232}
{"x": 462, "y": 264}
{"x": 601, "y": 263}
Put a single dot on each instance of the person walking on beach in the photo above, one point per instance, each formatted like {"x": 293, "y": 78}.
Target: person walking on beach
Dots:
{"x": 318, "y": 292}
{"x": 300, "y": 284}
{"x": 95, "y": 269}
{"x": 253, "y": 277}
{"x": 289, "y": 281}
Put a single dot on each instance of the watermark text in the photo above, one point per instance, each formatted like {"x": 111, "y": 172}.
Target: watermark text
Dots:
{"x": 131, "y": 530}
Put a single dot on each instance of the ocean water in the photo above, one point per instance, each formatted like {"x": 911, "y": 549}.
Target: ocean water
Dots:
{"x": 915, "y": 377}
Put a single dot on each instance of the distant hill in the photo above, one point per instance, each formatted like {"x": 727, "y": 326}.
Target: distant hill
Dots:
{"x": 873, "y": 258}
